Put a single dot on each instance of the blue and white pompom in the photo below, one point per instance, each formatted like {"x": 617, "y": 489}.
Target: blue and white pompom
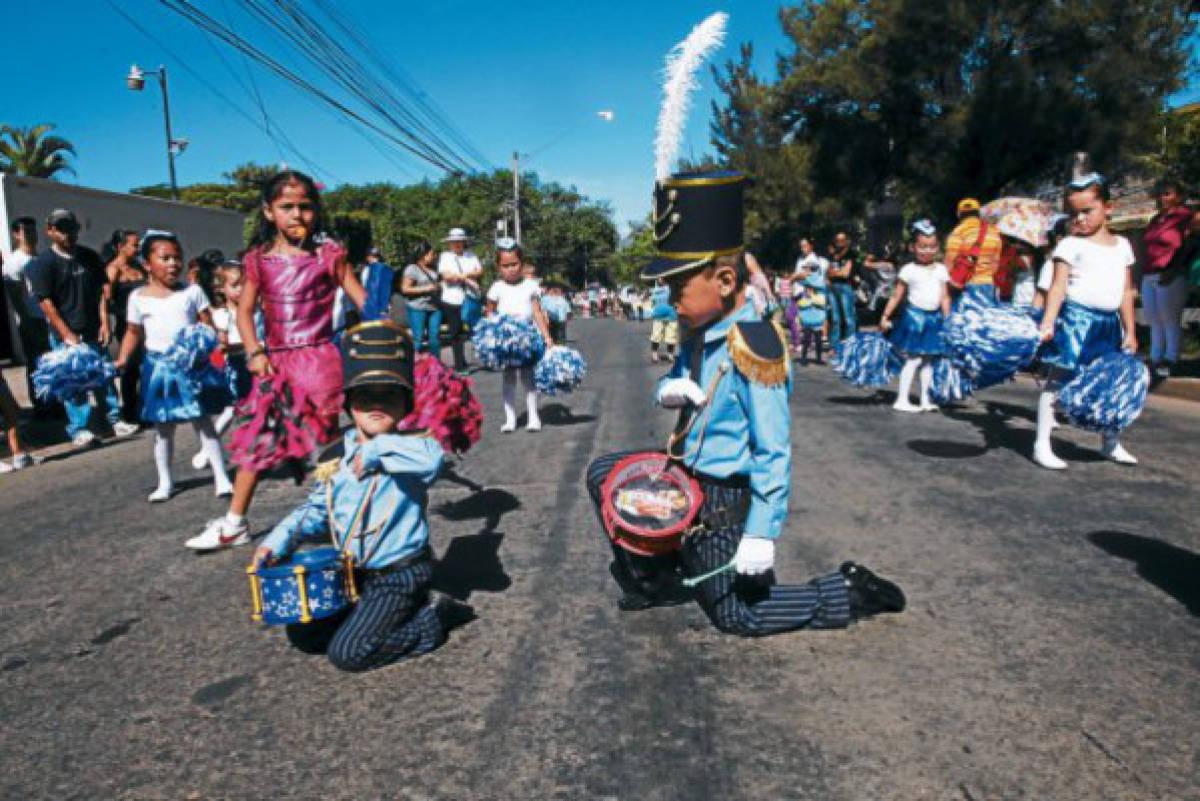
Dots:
{"x": 70, "y": 373}
{"x": 991, "y": 343}
{"x": 560, "y": 370}
{"x": 192, "y": 347}
{"x": 1107, "y": 395}
{"x": 503, "y": 341}
{"x": 867, "y": 359}
{"x": 950, "y": 384}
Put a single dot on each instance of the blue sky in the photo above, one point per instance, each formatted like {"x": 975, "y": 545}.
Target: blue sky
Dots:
{"x": 510, "y": 76}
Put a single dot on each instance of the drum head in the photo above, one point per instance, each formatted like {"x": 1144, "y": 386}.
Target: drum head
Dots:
{"x": 648, "y": 503}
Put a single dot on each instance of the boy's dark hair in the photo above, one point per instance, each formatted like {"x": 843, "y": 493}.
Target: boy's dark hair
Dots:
{"x": 738, "y": 262}
{"x": 264, "y": 230}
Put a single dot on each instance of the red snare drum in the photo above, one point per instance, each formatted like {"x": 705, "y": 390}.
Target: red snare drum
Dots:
{"x": 648, "y": 503}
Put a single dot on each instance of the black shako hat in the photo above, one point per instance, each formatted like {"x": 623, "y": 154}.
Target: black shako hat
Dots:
{"x": 697, "y": 218}
{"x": 377, "y": 353}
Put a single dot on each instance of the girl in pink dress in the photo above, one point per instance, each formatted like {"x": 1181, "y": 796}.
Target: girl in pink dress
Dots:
{"x": 297, "y": 393}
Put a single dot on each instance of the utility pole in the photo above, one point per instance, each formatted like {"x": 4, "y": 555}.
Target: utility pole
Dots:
{"x": 516, "y": 170}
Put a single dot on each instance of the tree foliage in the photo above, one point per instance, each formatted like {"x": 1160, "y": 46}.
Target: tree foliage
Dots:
{"x": 30, "y": 151}
{"x": 936, "y": 99}
{"x": 564, "y": 232}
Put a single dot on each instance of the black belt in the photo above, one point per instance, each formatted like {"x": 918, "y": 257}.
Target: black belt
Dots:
{"x": 404, "y": 562}
{"x": 736, "y": 481}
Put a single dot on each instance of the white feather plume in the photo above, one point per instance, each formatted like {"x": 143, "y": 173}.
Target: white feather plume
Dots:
{"x": 683, "y": 62}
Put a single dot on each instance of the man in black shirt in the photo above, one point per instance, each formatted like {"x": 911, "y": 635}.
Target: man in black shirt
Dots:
{"x": 68, "y": 284}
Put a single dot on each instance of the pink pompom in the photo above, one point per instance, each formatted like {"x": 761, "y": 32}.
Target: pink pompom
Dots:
{"x": 445, "y": 404}
{"x": 274, "y": 425}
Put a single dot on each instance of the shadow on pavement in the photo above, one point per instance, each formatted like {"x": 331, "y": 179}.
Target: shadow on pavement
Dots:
{"x": 1175, "y": 571}
{"x": 876, "y": 398}
{"x": 556, "y": 414}
{"x": 946, "y": 449}
{"x": 471, "y": 563}
{"x": 488, "y": 504}
{"x": 993, "y": 425}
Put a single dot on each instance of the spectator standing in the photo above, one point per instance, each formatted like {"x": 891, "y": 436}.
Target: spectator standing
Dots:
{"x": 419, "y": 284}
{"x": 68, "y": 283}
{"x": 664, "y": 328}
{"x": 460, "y": 271}
{"x": 1164, "y": 285}
{"x": 840, "y": 279}
{"x": 973, "y": 254}
{"x": 31, "y": 320}
{"x": 125, "y": 274}
{"x": 377, "y": 279}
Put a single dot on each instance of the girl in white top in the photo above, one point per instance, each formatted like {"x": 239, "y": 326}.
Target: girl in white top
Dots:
{"x": 1089, "y": 308}
{"x": 518, "y": 297}
{"x": 157, "y": 313}
{"x": 922, "y": 287}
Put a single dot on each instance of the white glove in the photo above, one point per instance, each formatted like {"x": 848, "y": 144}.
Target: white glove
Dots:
{"x": 677, "y": 392}
{"x": 754, "y": 555}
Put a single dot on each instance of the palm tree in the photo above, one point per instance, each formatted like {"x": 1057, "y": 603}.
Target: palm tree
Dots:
{"x": 28, "y": 151}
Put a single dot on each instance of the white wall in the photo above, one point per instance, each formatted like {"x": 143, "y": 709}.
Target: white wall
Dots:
{"x": 100, "y": 213}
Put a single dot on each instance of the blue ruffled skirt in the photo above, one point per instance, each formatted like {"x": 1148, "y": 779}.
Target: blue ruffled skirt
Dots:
{"x": 918, "y": 332}
{"x": 1082, "y": 335}
{"x": 172, "y": 395}
{"x": 976, "y": 295}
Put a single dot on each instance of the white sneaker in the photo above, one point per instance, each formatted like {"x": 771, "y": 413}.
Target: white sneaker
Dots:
{"x": 84, "y": 439}
{"x": 21, "y": 461}
{"x": 1046, "y": 458}
{"x": 224, "y": 490}
{"x": 161, "y": 494}
{"x": 508, "y": 428}
{"x": 5, "y": 467}
{"x": 533, "y": 425}
{"x": 220, "y": 533}
{"x": 1114, "y": 450}
{"x": 123, "y": 429}
{"x": 905, "y": 406}
{"x": 200, "y": 461}
{"x": 929, "y": 407}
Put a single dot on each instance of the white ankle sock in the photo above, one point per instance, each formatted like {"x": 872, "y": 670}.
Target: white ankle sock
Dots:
{"x": 164, "y": 445}
{"x": 906, "y": 378}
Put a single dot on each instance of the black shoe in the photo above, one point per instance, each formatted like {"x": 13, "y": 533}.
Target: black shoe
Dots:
{"x": 634, "y": 602}
{"x": 870, "y": 594}
{"x": 451, "y": 613}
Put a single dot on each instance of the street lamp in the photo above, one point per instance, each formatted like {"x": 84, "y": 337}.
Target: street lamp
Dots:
{"x": 136, "y": 81}
{"x": 608, "y": 115}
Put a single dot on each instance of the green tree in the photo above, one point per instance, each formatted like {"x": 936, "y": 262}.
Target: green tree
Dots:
{"x": 29, "y": 151}
{"x": 636, "y": 251}
{"x": 936, "y": 99}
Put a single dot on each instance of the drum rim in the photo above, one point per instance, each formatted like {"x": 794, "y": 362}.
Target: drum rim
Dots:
{"x": 633, "y": 540}
{"x": 314, "y": 560}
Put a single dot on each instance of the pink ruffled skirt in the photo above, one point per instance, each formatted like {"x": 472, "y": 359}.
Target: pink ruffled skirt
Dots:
{"x": 290, "y": 414}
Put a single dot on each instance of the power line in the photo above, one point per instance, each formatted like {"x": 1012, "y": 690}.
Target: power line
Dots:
{"x": 221, "y": 95}
{"x": 213, "y": 27}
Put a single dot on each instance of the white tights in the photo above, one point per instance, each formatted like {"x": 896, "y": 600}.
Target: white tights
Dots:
{"x": 164, "y": 445}
{"x": 509, "y": 388}
{"x": 906, "y": 379}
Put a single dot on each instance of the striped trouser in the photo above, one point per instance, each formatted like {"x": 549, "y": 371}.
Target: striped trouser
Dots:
{"x": 737, "y": 604}
{"x": 392, "y": 620}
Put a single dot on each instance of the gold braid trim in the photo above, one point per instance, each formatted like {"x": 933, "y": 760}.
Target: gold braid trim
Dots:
{"x": 327, "y": 470}
{"x": 768, "y": 372}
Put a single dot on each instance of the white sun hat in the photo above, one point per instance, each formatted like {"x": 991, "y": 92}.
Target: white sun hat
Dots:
{"x": 457, "y": 235}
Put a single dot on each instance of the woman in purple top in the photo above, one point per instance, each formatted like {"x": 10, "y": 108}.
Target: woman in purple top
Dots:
{"x": 1164, "y": 287}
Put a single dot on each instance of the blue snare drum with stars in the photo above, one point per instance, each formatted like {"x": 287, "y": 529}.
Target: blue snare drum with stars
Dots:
{"x": 309, "y": 586}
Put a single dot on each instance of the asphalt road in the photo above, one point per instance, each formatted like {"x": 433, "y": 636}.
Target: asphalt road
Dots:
{"x": 1051, "y": 649}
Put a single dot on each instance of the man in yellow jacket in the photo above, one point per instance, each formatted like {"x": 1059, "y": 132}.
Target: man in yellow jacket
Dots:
{"x": 972, "y": 255}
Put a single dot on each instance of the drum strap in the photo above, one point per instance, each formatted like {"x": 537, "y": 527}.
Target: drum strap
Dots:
{"x": 684, "y": 423}
{"x": 356, "y": 522}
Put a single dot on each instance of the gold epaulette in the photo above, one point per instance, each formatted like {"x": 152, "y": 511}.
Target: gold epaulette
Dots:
{"x": 759, "y": 352}
{"x": 327, "y": 470}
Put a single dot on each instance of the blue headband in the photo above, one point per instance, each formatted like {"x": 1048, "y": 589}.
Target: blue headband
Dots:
{"x": 1091, "y": 179}
{"x": 153, "y": 235}
{"x": 924, "y": 227}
